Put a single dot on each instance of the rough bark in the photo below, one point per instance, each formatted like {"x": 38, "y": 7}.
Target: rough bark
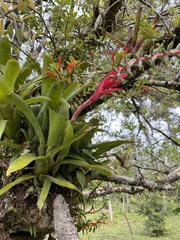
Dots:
{"x": 63, "y": 223}
{"x": 19, "y": 215}
{"x": 106, "y": 17}
{"x": 161, "y": 184}
{"x": 104, "y": 191}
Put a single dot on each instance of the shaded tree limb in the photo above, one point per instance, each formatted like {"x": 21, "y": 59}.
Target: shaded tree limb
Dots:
{"x": 106, "y": 17}
{"x": 161, "y": 184}
{"x": 174, "y": 85}
{"x": 104, "y": 191}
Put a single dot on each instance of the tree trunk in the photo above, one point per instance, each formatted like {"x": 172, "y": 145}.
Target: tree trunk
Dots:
{"x": 21, "y": 219}
{"x": 63, "y": 223}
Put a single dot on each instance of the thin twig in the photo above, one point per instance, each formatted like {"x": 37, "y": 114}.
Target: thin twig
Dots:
{"x": 45, "y": 25}
{"x": 22, "y": 51}
{"x": 159, "y": 15}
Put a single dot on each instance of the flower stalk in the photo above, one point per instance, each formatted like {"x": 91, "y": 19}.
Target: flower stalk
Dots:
{"x": 114, "y": 78}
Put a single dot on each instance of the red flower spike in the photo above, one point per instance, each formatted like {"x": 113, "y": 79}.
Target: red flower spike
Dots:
{"x": 50, "y": 74}
{"x": 59, "y": 63}
{"x": 112, "y": 57}
{"x": 70, "y": 67}
{"x": 145, "y": 89}
{"x": 114, "y": 78}
{"x": 106, "y": 86}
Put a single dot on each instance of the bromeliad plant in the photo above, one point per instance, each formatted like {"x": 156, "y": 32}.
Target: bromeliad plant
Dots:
{"x": 43, "y": 143}
{"x": 36, "y": 126}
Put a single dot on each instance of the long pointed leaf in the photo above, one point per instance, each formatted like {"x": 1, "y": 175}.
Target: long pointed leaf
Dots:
{"x": 63, "y": 182}
{"x": 23, "y": 161}
{"x": 17, "y": 181}
{"x": 37, "y": 99}
{"x": 24, "y": 108}
{"x": 44, "y": 193}
{"x": 136, "y": 29}
{"x": 10, "y": 144}
{"x": 105, "y": 170}
{"x": 10, "y": 74}
{"x": 56, "y": 128}
{"x": 107, "y": 146}
{"x": 2, "y": 126}
{"x": 5, "y": 50}
{"x": 53, "y": 152}
{"x": 72, "y": 91}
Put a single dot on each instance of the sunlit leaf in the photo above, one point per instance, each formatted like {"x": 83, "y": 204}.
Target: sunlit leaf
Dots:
{"x": 44, "y": 193}
{"x": 59, "y": 180}
{"x": 23, "y": 161}
{"x": 32, "y": 4}
{"x": 2, "y": 126}
{"x": 21, "y": 5}
{"x": 24, "y": 108}
{"x": 1, "y": 27}
{"x": 37, "y": 100}
{"x": 56, "y": 128}
{"x": 5, "y": 6}
{"x": 10, "y": 74}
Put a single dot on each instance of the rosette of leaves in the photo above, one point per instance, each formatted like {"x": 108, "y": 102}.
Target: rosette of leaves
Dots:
{"x": 37, "y": 130}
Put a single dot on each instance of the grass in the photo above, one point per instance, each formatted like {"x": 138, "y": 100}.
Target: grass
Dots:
{"x": 119, "y": 229}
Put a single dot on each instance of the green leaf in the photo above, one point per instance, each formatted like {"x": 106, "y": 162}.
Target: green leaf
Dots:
{"x": 68, "y": 136}
{"x": 10, "y": 144}
{"x": 47, "y": 61}
{"x": 24, "y": 108}
{"x": 64, "y": 108}
{"x": 53, "y": 152}
{"x": 105, "y": 170}
{"x": 55, "y": 93}
{"x": 2, "y": 126}
{"x": 44, "y": 193}
{"x": 10, "y": 30}
{"x": 27, "y": 88}
{"x": 107, "y": 146}
{"x": 3, "y": 95}
{"x": 81, "y": 178}
{"x": 56, "y": 128}
{"x": 63, "y": 182}
{"x": 83, "y": 66}
{"x": 136, "y": 29}
{"x": 37, "y": 99}
{"x": 10, "y": 74}
{"x": 5, "y": 51}
{"x": 71, "y": 91}
{"x": 17, "y": 181}
{"x": 23, "y": 161}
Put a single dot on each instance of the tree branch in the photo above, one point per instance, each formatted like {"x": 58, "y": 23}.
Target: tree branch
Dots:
{"x": 161, "y": 184}
{"x": 103, "y": 191}
{"x": 106, "y": 17}
{"x": 174, "y": 85}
